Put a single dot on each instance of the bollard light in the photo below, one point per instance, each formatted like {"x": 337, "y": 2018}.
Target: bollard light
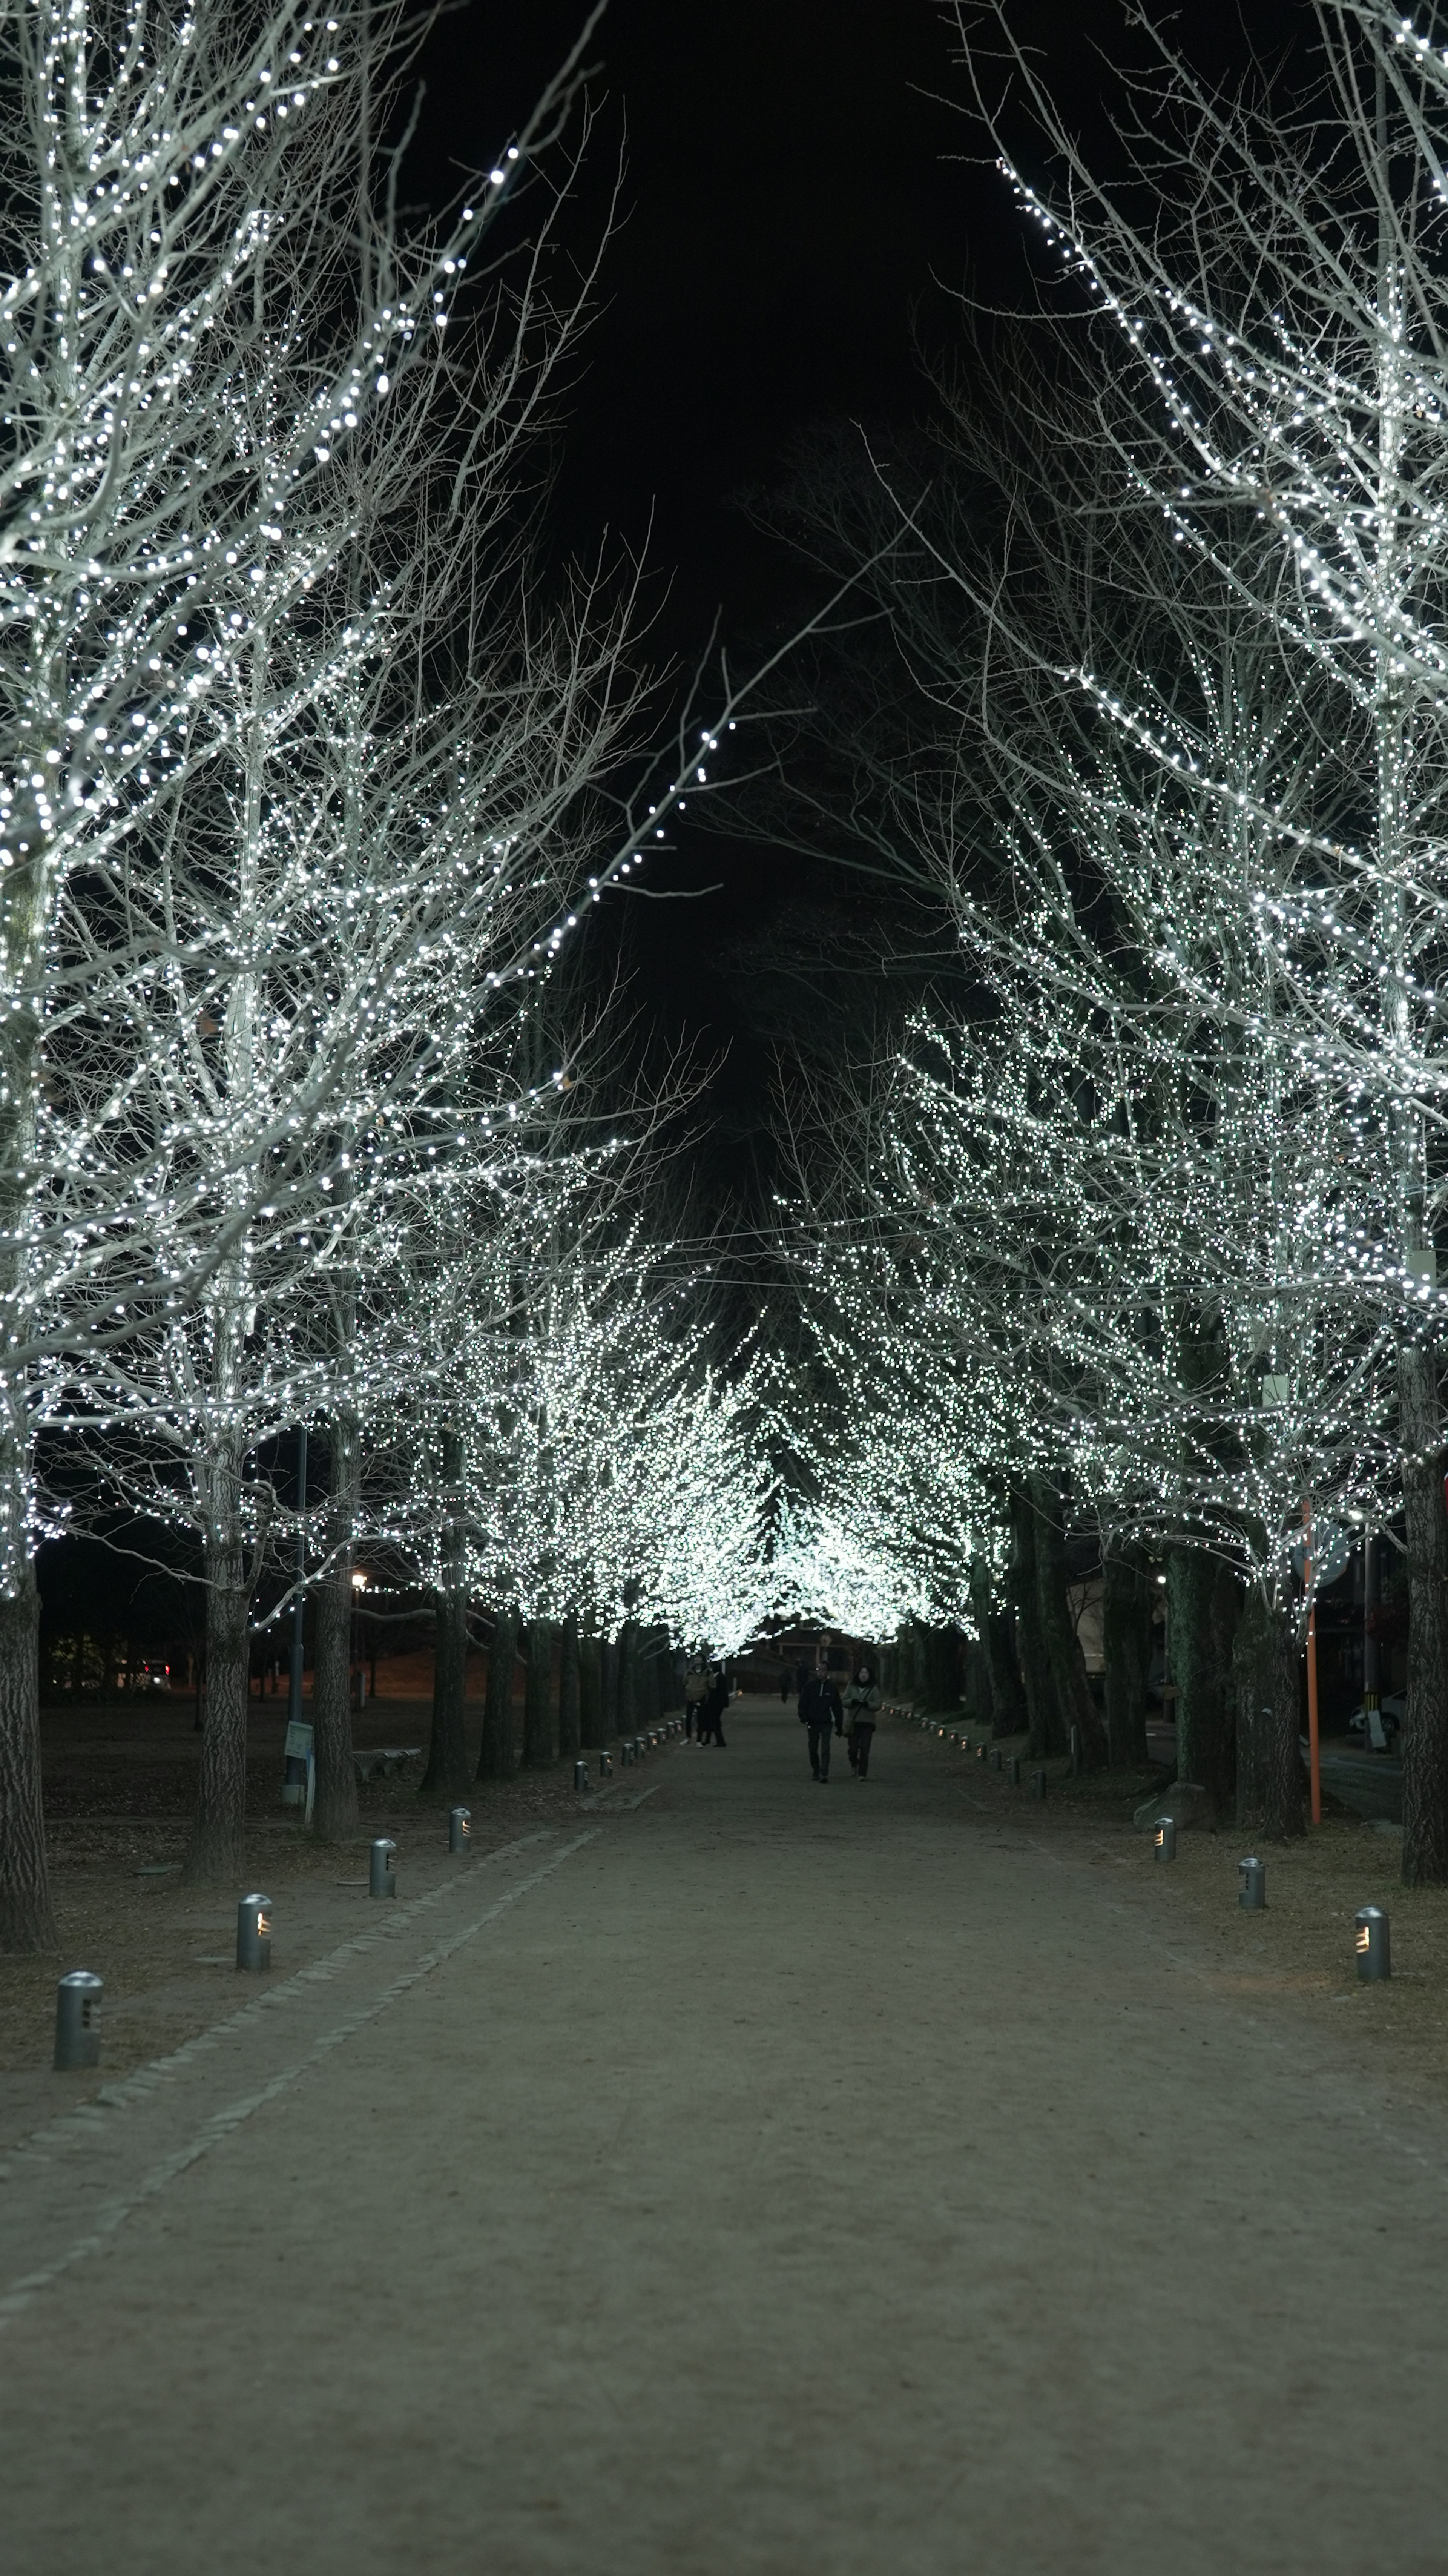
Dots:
{"x": 580, "y": 1775}
{"x": 982, "y": 1753}
{"x": 253, "y": 1931}
{"x": 1374, "y": 1958}
{"x": 459, "y": 1829}
{"x": 1165, "y": 1838}
{"x": 625, "y": 1753}
{"x": 77, "y": 2021}
{"x": 1013, "y": 1770}
{"x": 995, "y": 1757}
{"x": 1038, "y": 1785}
{"x": 381, "y": 1877}
{"x": 1252, "y": 1891}
{"x": 605, "y": 1766}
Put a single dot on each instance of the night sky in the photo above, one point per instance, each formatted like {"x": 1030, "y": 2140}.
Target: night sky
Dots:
{"x": 804, "y": 198}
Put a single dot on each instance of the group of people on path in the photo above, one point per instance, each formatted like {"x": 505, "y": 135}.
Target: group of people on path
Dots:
{"x": 706, "y": 1697}
{"x": 826, "y": 1715}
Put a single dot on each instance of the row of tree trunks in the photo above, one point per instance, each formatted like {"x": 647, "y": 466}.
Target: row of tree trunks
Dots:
{"x": 1204, "y": 1602}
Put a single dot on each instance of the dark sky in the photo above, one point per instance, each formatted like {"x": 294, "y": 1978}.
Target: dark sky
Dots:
{"x": 802, "y": 199}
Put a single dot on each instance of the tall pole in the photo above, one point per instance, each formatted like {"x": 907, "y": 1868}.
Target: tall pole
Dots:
{"x": 299, "y": 1606}
{"x": 1313, "y": 1760}
{"x": 1372, "y": 1652}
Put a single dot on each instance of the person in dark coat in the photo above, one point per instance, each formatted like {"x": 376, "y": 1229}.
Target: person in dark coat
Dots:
{"x": 711, "y": 1714}
{"x": 819, "y": 1710}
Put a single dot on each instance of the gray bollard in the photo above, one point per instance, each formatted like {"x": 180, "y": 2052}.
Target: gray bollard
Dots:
{"x": 580, "y": 1775}
{"x": 1252, "y": 1892}
{"x": 1074, "y": 1742}
{"x": 996, "y": 1757}
{"x": 1165, "y": 1838}
{"x": 253, "y": 1931}
{"x": 982, "y": 1753}
{"x": 1038, "y": 1785}
{"x": 1013, "y": 1771}
{"x": 77, "y": 2021}
{"x": 381, "y": 1877}
{"x": 1374, "y": 1957}
{"x": 605, "y": 1766}
{"x": 459, "y": 1829}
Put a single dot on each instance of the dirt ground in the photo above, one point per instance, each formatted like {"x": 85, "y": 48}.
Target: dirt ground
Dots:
{"x": 737, "y": 2176}
{"x": 119, "y": 1790}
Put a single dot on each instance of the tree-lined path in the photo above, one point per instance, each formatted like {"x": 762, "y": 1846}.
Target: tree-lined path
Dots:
{"x": 759, "y": 2178}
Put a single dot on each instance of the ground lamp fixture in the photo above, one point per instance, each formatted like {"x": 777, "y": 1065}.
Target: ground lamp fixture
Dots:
{"x": 459, "y": 1829}
{"x": 1374, "y": 1957}
{"x": 77, "y": 2021}
{"x": 1252, "y": 1885}
{"x": 381, "y": 1876}
{"x": 1165, "y": 1838}
{"x": 253, "y": 1931}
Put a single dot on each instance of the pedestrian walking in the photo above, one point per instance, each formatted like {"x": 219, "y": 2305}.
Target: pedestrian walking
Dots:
{"x": 696, "y": 1686}
{"x": 711, "y": 1711}
{"x": 819, "y": 1710}
{"x": 862, "y": 1699}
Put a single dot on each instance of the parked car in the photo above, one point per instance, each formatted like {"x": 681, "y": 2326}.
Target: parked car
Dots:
{"x": 1394, "y": 1709}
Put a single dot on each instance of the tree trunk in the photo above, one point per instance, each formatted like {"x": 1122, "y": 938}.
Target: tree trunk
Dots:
{"x": 538, "y": 1702}
{"x": 591, "y": 1732}
{"x": 335, "y": 1814}
{"x": 1070, "y": 1688}
{"x": 938, "y": 1663}
{"x": 1128, "y": 1607}
{"x": 1048, "y": 1734}
{"x": 217, "y": 1848}
{"x": 609, "y": 1670}
{"x": 1203, "y": 1606}
{"x": 1425, "y": 1529}
{"x": 448, "y": 1767}
{"x": 27, "y": 1921}
{"x": 497, "y": 1758}
{"x": 1269, "y": 1760}
{"x": 628, "y": 1678}
{"x": 569, "y": 1714}
{"x": 1008, "y": 1714}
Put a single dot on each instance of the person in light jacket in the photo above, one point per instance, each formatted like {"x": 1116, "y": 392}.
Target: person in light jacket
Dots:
{"x": 862, "y": 1699}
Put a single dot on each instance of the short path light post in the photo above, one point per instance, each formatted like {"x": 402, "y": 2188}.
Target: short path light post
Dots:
{"x": 1038, "y": 1785}
{"x": 1013, "y": 1771}
{"x": 1165, "y": 1838}
{"x": 1252, "y": 1887}
{"x": 459, "y": 1829}
{"x": 580, "y": 1775}
{"x": 1374, "y": 1957}
{"x": 381, "y": 1876}
{"x": 253, "y": 1931}
{"x": 77, "y": 2021}
{"x": 605, "y": 1766}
